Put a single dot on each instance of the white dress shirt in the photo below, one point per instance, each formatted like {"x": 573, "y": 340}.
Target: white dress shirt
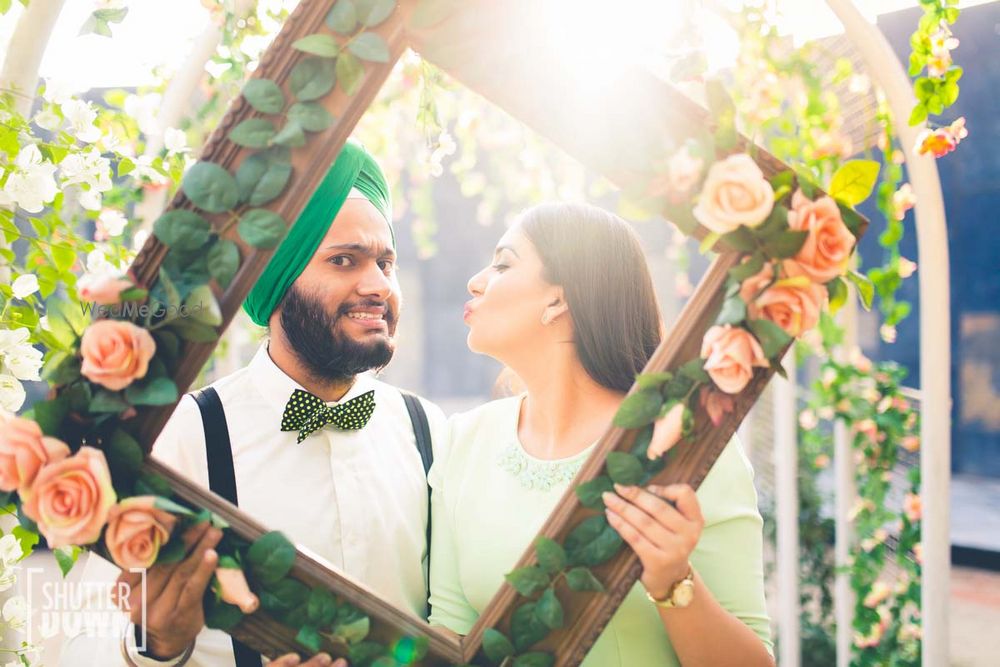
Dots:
{"x": 357, "y": 499}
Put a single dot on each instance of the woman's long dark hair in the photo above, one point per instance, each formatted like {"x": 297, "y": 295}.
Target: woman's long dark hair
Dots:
{"x": 596, "y": 258}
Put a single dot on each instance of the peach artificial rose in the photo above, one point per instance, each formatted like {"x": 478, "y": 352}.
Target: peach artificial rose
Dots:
{"x": 730, "y": 355}
{"x": 234, "y": 589}
{"x": 666, "y": 432}
{"x": 103, "y": 289}
{"x": 716, "y": 404}
{"x": 24, "y": 450}
{"x": 71, "y": 499}
{"x": 827, "y": 249}
{"x": 735, "y": 193}
{"x": 793, "y": 302}
{"x": 115, "y": 353}
{"x": 136, "y": 531}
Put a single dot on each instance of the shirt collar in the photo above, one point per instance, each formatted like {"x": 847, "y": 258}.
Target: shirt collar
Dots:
{"x": 277, "y": 387}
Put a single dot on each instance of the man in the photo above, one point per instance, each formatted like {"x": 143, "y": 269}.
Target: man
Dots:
{"x": 348, "y": 484}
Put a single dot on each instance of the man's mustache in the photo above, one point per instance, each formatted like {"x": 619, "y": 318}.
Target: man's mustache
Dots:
{"x": 388, "y": 312}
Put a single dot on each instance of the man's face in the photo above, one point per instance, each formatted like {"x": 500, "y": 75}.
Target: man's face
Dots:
{"x": 340, "y": 314}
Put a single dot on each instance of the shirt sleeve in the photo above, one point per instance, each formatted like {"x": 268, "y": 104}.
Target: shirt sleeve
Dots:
{"x": 449, "y": 606}
{"x": 729, "y": 557}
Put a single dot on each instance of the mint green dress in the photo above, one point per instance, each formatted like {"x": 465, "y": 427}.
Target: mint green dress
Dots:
{"x": 490, "y": 498}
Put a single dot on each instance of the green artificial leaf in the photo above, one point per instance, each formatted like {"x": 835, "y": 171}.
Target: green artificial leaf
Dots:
{"x": 271, "y": 556}
{"x": 582, "y": 579}
{"x": 353, "y": 630}
{"x": 750, "y": 266}
{"x": 590, "y": 492}
{"x": 854, "y": 181}
{"x": 694, "y": 370}
{"x": 313, "y": 77}
{"x": 373, "y": 12}
{"x": 151, "y": 484}
{"x": 771, "y": 337}
{"x": 525, "y": 627}
{"x": 284, "y": 595}
{"x": 551, "y": 555}
{"x": 223, "y": 261}
{"x": 866, "y": 289}
{"x": 653, "y": 380}
{"x": 159, "y": 391}
{"x": 785, "y": 244}
{"x": 349, "y": 72}
{"x": 624, "y": 468}
{"x": 253, "y": 133}
{"x": 549, "y": 610}
{"x": 193, "y": 331}
{"x": 291, "y": 135}
{"x": 210, "y": 187}
{"x": 26, "y": 538}
{"x": 370, "y": 46}
{"x": 309, "y": 637}
{"x": 592, "y": 542}
{"x": 319, "y": 44}
{"x": 264, "y": 95}
{"x": 527, "y": 580}
{"x": 534, "y": 659}
{"x": 262, "y": 177}
{"x": 61, "y": 368}
{"x": 184, "y": 230}
{"x": 168, "y": 505}
{"x": 261, "y": 228}
{"x": 66, "y": 557}
{"x": 638, "y": 409}
{"x": 837, "y": 290}
{"x": 496, "y": 646}
{"x": 124, "y": 457}
{"x": 311, "y": 116}
{"x": 201, "y": 306}
{"x": 408, "y": 650}
{"x": 741, "y": 239}
{"x": 734, "y": 311}
{"x": 775, "y": 223}
{"x": 107, "y": 401}
{"x": 322, "y": 607}
{"x": 125, "y": 166}
{"x": 855, "y": 223}
{"x": 64, "y": 256}
{"x": 342, "y": 18}
{"x": 641, "y": 443}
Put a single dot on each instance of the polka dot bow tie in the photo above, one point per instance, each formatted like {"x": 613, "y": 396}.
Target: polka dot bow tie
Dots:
{"x": 307, "y": 413}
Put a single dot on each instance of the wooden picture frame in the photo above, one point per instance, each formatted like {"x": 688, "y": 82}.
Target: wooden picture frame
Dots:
{"x": 628, "y": 124}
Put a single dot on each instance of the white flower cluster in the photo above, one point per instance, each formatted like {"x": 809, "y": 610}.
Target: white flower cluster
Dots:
{"x": 19, "y": 361}
{"x": 14, "y": 612}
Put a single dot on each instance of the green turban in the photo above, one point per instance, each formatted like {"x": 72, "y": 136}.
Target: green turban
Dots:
{"x": 353, "y": 169}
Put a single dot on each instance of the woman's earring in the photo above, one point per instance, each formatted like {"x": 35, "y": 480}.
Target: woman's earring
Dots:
{"x": 545, "y": 319}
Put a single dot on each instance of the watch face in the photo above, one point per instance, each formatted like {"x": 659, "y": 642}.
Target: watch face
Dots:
{"x": 683, "y": 594}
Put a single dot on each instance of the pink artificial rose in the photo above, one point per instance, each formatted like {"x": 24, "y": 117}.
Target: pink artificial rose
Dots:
{"x": 115, "y": 353}
{"x": 731, "y": 354}
{"x": 71, "y": 499}
{"x": 666, "y": 432}
{"x": 234, "y": 589}
{"x": 912, "y": 507}
{"x": 793, "y": 303}
{"x": 102, "y": 289}
{"x": 877, "y": 595}
{"x": 24, "y": 451}
{"x": 827, "y": 249}
{"x": 716, "y": 404}
{"x": 136, "y": 531}
{"x": 735, "y": 193}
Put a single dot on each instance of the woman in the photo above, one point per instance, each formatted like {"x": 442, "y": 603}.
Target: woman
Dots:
{"x": 568, "y": 305}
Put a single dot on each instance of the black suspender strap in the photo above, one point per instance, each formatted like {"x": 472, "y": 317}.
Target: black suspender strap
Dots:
{"x": 222, "y": 480}
{"x": 422, "y": 432}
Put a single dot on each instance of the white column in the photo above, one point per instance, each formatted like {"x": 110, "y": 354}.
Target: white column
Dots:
{"x": 786, "y": 482}
{"x": 844, "y": 497}
{"x": 935, "y": 330}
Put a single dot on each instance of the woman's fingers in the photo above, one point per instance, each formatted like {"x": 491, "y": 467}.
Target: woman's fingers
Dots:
{"x": 651, "y": 529}
{"x": 684, "y": 498}
{"x": 318, "y": 660}
{"x": 643, "y": 548}
{"x": 654, "y": 505}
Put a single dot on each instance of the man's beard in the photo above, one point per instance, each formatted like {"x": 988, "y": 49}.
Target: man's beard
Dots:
{"x": 327, "y": 353}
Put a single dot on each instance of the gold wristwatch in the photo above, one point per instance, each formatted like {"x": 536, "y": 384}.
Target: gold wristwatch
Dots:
{"x": 681, "y": 594}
